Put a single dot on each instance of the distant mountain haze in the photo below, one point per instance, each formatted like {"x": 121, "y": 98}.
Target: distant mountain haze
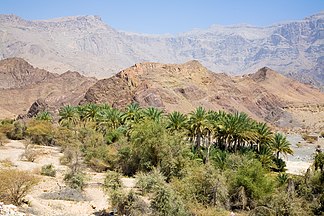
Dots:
{"x": 87, "y": 45}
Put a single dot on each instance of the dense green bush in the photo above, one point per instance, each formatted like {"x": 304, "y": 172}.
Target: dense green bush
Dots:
{"x": 128, "y": 203}
{"x": 147, "y": 182}
{"x": 166, "y": 202}
{"x": 249, "y": 185}
{"x": 75, "y": 180}
{"x": 152, "y": 146}
{"x": 48, "y": 170}
{"x": 6, "y": 126}
{"x": 101, "y": 158}
{"x": 112, "y": 181}
{"x": 40, "y": 132}
{"x": 203, "y": 184}
{"x": 18, "y": 131}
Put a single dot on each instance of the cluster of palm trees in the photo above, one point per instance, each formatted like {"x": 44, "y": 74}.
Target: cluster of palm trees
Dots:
{"x": 205, "y": 129}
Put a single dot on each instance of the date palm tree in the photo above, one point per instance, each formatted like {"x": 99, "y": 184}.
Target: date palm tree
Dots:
{"x": 235, "y": 131}
{"x": 176, "y": 121}
{"x": 90, "y": 111}
{"x": 108, "y": 119}
{"x": 133, "y": 114}
{"x": 69, "y": 116}
{"x": 280, "y": 145}
{"x": 153, "y": 113}
{"x": 264, "y": 135}
{"x": 45, "y": 116}
{"x": 198, "y": 125}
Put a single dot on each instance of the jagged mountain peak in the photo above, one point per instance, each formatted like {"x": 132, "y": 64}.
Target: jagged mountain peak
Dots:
{"x": 265, "y": 73}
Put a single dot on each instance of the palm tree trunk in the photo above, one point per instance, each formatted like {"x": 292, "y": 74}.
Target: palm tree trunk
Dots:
{"x": 198, "y": 140}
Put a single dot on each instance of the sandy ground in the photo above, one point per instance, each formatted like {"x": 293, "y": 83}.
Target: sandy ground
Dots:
{"x": 303, "y": 156}
{"x": 94, "y": 199}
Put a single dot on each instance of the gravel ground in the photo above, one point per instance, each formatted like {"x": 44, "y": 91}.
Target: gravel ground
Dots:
{"x": 303, "y": 154}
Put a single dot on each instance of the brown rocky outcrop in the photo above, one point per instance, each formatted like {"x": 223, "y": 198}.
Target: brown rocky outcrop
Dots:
{"x": 28, "y": 89}
{"x": 263, "y": 95}
{"x": 17, "y": 73}
{"x": 37, "y": 107}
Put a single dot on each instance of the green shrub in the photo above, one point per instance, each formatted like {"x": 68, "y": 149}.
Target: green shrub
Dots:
{"x": 48, "y": 170}
{"x": 101, "y": 158}
{"x": 40, "y": 132}
{"x": 64, "y": 137}
{"x": 284, "y": 204}
{"x": 280, "y": 165}
{"x": 75, "y": 180}
{"x": 203, "y": 184}
{"x": 18, "y": 131}
{"x": 5, "y": 127}
{"x": 44, "y": 116}
{"x": 151, "y": 145}
{"x": 128, "y": 204}
{"x": 147, "y": 182}
{"x": 112, "y": 181}
{"x": 282, "y": 178}
{"x": 249, "y": 185}
{"x": 166, "y": 202}
{"x": 219, "y": 158}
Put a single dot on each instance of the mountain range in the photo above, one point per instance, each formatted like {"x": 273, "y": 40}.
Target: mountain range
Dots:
{"x": 87, "y": 45}
{"x": 265, "y": 94}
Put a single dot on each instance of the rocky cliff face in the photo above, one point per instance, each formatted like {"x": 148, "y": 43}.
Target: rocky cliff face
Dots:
{"x": 264, "y": 95}
{"x": 88, "y": 45}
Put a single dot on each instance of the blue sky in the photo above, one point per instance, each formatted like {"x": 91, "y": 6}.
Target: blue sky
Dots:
{"x": 167, "y": 16}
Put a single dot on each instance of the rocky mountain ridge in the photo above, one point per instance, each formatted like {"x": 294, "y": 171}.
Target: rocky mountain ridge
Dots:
{"x": 17, "y": 73}
{"x": 88, "y": 45}
{"x": 22, "y": 85}
{"x": 265, "y": 95}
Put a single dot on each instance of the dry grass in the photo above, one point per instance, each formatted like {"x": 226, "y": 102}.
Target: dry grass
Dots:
{"x": 15, "y": 184}
{"x": 7, "y": 163}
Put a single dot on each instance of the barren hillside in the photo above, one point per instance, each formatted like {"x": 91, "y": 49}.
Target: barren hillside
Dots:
{"x": 264, "y": 95}
{"x": 23, "y": 84}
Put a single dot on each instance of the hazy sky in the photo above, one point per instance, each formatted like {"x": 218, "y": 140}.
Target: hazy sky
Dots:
{"x": 167, "y": 16}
